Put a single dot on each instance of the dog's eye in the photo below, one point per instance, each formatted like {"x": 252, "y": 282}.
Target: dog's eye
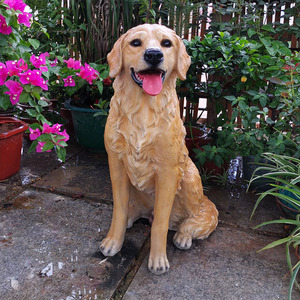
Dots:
{"x": 166, "y": 43}
{"x": 136, "y": 43}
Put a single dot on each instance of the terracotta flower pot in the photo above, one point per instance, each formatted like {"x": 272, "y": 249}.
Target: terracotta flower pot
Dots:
{"x": 11, "y": 139}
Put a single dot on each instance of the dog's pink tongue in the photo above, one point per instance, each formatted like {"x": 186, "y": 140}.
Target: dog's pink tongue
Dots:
{"x": 152, "y": 83}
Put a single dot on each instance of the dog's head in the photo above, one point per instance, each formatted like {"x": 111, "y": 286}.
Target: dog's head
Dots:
{"x": 149, "y": 54}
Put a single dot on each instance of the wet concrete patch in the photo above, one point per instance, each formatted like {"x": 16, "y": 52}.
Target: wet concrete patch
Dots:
{"x": 235, "y": 208}
{"x": 36, "y": 165}
{"x": 224, "y": 266}
{"x": 85, "y": 175}
{"x": 8, "y": 191}
{"x": 49, "y": 247}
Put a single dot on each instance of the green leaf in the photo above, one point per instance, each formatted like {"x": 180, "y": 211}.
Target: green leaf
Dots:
{"x": 32, "y": 113}
{"x": 263, "y": 101}
{"x": 43, "y": 103}
{"x": 268, "y": 28}
{"x": 33, "y": 146}
{"x": 34, "y": 43}
{"x": 24, "y": 97}
{"x": 230, "y": 98}
{"x": 37, "y": 89}
{"x": 3, "y": 41}
{"x": 276, "y": 243}
{"x": 27, "y": 88}
{"x": 23, "y": 48}
{"x": 297, "y": 21}
{"x": 68, "y": 23}
{"x": 251, "y": 32}
{"x": 61, "y": 153}
{"x": 285, "y": 51}
{"x": 45, "y": 137}
{"x": 48, "y": 146}
{"x": 293, "y": 279}
{"x": 4, "y": 101}
{"x": 36, "y": 95}
{"x": 100, "y": 86}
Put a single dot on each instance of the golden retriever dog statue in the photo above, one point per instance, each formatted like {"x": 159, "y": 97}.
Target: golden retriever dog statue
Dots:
{"x": 150, "y": 169}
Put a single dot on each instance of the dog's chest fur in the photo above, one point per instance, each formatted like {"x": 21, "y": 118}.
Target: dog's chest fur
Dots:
{"x": 136, "y": 134}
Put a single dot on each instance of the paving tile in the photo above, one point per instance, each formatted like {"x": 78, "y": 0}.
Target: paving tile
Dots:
{"x": 224, "y": 266}
{"x": 49, "y": 247}
{"x": 84, "y": 175}
{"x": 8, "y": 191}
{"x": 235, "y": 208}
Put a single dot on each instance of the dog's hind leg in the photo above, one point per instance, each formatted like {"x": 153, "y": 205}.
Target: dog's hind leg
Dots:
{"x": 198, "y": 225}
{"x": 120, "y": 186}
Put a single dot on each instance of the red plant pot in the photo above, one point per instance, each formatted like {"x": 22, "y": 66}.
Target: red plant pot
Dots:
{"x": 11, "y": 140}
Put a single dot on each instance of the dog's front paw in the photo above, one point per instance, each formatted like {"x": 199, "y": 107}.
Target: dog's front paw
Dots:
{"x": 158, "y": 264}
{"x": 182, "y": 241}
{"x": 110, "y": 246}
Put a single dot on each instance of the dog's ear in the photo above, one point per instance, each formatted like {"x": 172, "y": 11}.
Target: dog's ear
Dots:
{"x": 183, "y": 59}
{"x": 114, "y": 58}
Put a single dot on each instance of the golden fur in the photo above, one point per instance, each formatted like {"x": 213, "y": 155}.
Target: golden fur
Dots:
{"x": 149, "y": 164}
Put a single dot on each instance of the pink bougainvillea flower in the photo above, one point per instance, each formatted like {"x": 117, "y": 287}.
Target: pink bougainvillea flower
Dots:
{"x": 39, "y": 147}
{"x": 56, "y": 128}
{"x": 24, "y": 19}
{"x": 15, "y": 90}
{"x": 73, "y": 64}
{"x": 15, "y": 67}
{"x": 3, "y": 73}
{"x": 88, "y": 73}
{"x": 69, "y": 81}
{"x": 38, "y": 61}
{"x": 16, "y": 4}
{"x": 65, "y": 136}
{"x": 22, "y": 65}
{"x": 44, "y": 68}
{"x": 53, "y": 63}
{"x": 34, "y": 133}
{"x": 34, "y": 77}
{"x": 48, "y": 129}
{"x": 4, "y": 29}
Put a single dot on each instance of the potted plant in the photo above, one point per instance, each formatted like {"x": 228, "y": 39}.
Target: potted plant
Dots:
{"x": 86, "y": 90}
{"x": 283, "y": 171}
{"x": 23, "y": 77}
{"x": 252, "y": 93}
{"x": 216, "y": 58}
{"x": 274, "y": 127}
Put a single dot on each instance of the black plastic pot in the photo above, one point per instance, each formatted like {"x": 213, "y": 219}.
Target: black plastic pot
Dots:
{"x": 249, "y": 166}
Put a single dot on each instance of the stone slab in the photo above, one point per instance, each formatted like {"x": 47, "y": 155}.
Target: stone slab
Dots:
{"x": 235, "y": 208}
{"x": 84, "y": 175}
{"x": 8, "y": 191}
{"x": 224, "y": 266}
{"x": 49, "y": 247}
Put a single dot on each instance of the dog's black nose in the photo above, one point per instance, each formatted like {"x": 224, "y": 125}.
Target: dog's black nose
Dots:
{"x": 153, "y": 57}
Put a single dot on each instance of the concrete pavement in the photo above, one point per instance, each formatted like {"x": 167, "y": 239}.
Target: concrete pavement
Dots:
{"x": 53, "y": 217}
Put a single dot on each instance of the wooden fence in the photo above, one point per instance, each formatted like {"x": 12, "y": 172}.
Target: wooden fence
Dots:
{"x": 188, "y": 19}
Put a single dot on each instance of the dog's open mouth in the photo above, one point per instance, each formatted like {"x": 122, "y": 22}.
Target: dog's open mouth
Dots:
{"x": 150, "y": 80}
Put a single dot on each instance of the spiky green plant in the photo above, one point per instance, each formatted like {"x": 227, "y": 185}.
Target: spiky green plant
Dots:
{"x": 284, "y": 172}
